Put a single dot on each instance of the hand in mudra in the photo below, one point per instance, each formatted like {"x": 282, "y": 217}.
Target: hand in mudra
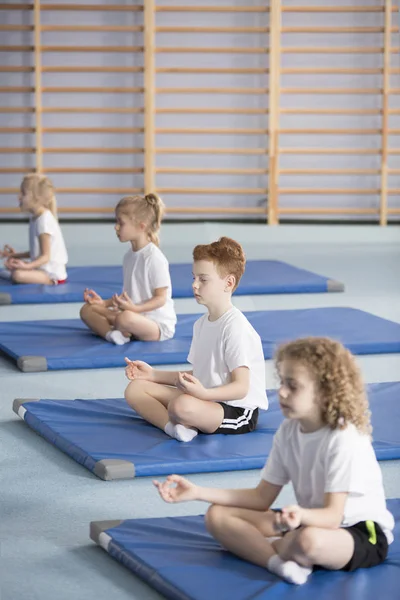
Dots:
{"x": 176, "y": 489}
{"x": 137, "y": 369}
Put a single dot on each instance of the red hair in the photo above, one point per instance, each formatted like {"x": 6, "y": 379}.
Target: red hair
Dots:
{"x": 227, "y": 256}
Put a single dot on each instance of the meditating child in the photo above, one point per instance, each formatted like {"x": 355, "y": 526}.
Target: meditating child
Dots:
{"x": 226, "y": 388}
{"x": 145, "y": 310}
{"x": 47, "y": 253}
{"x": 323, "y": 446}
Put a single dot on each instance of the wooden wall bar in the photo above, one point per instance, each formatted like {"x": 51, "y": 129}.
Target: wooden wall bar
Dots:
{"x": 146, "y": 138}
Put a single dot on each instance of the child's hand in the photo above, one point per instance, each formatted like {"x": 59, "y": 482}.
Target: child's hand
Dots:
{"x": 183, "y": 491}
{"x": 7, "y": 252}
{"x": 17, "y": 263}
{"x": 123, "y": 302}
{"x": 137, "y": 369}
{"x": 291, "y": 517}
{"x": 192, "y": 386}
{"x": 92, "y": 297}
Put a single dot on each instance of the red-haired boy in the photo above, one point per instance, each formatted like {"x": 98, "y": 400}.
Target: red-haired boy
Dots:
{"x": 226, "y": 388}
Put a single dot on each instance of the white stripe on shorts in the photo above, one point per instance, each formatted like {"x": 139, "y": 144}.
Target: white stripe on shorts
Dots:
{"x": 241, "y": 421}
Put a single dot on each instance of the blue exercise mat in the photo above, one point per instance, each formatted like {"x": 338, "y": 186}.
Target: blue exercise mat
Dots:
{"x": 178, "y": 557}
{"x": 113, "y": 442}
{"x": 68, "y": 344}
{"x": 260, "y": 277}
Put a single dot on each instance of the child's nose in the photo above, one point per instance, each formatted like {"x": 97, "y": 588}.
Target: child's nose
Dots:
{"x": 283, "y": 391}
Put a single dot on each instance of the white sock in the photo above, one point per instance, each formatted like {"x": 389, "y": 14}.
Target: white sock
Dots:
{"x": 180, "y": 432}
{"x": 116, "y": 337}
{"x": 289, "y": 570}
{"x": 185, "y": 434}
{"x": 170, "y": 429}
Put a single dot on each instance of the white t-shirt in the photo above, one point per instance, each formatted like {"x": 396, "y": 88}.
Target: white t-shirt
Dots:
{"x": 327, "y": 461}
{"x": 145, "y": 271}
{"x": 218, "y": 347}
{"x": 47, "y": 223}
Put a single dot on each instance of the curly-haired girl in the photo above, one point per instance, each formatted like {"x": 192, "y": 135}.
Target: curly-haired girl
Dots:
{"x": 323, "y": 446}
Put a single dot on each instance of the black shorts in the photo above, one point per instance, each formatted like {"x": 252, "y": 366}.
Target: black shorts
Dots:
{"x": 237, "y": 419}
{"x": 370, "y": 545}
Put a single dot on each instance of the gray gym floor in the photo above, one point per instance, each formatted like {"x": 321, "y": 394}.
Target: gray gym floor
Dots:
{"x": 47, "y": 500}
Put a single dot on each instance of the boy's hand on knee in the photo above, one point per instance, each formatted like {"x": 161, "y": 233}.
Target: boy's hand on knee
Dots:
{"x": 123, "y": 302}
{"x": 188, "y": 384}
{"x": 137, "y": 369}
{"x": 92, "y": 297}
{"x": 176, "y": 489}
{"x": 291, "y": 516}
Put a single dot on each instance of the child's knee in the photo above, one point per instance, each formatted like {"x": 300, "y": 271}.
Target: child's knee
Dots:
{"x": 17, "y": 276}
{"x": 308, "y": 542}
{"x": 216, "y": 518}
{"x": 181, "y": 408}
{"x": 123, "y": 319}
{"x": 85, "y": 311}
{"x": 213, "y": 516}
{"x": 133, "y": 391}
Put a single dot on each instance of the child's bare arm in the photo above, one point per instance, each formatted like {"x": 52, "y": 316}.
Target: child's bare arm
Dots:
{"x": 328, "y": 517}
{"x": 45, "y": 247}
{"x": 137, "y": 369}
{"x": 234, "y": 390}
{"x": 179, "y": 489}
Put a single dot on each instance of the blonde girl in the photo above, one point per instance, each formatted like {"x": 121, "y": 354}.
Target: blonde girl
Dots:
{"x": 144, "y": 310}
{"x": 323, "y": 446}
{"x": 47, "y": 252}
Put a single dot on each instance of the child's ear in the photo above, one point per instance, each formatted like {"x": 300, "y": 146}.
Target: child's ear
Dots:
{"x": 230, "y": 282}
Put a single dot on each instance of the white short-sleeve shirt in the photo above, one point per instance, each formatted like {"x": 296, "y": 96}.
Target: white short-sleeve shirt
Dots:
{"x": 145, "y": 271}
{"x": 329, "y": 461}
{"x": 47, "y": 223}
{"x": 218, "y": 347}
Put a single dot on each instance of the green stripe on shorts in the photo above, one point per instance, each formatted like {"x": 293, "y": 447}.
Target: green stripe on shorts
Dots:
{"x": 370, "y": 525}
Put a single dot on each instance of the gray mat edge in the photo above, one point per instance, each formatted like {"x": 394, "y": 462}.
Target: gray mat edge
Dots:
{"x": 98, "y": 527}
{"x": 334, "y": 286}
{"x": 18, "y": 402}
{"x": 110, "y": 469}
{"x": 32, "y": 364}
{"x": 5, "y": 298}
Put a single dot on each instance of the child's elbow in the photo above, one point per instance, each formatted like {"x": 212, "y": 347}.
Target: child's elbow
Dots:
{"x": 242, "y": 391}
{"x": 336, "y": 520}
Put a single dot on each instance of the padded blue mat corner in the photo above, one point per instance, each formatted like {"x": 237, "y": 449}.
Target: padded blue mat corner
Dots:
{"x": 178, "y": 558}
{"x": 90, "y": 431}
{"x": 68, "y": 344}
{"x": 260, "y": 277}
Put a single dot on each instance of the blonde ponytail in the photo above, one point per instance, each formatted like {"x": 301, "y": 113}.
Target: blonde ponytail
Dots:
{"x": 53, "y": 206}
{"x": 157, "y": 206}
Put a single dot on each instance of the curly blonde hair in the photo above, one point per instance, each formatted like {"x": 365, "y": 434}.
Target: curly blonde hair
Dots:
{"x": 338, "y": 379}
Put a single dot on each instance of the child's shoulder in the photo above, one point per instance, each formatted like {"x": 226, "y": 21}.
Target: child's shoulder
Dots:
{"x": 153, "y": 252}
{"x": 349, "y": 436}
